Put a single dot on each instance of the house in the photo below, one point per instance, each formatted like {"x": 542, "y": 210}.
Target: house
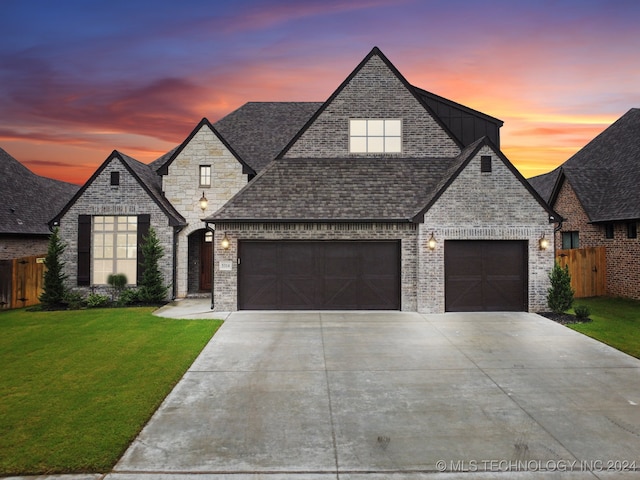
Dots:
{"x": 28, "y": 203}
{"x": 385, "y": 196}
{"x": 596, "y": 193}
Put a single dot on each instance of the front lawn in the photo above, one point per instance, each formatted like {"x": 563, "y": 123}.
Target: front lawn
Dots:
{"x": 78, "y": 386}
{"x": 615, "y": 321}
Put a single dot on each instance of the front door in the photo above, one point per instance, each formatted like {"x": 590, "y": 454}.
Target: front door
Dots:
{"x": 206, "y": 244}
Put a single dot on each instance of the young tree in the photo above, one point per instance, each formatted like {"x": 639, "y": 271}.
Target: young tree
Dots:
{"x": 151, "y": 288}
{"x": 54, "y": 290}
{"x": 560, "y": 294}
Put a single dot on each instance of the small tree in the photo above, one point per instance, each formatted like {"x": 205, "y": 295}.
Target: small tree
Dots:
{"x": 151, "y": 288}
{"x": 118, "y": 282}
{"x": 560, "y": 294}
{"x": 54, "y": 290}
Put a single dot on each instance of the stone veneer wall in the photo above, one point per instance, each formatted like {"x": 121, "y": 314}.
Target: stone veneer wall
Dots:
{"x": 328, "y": 137}
{"x": 17, "y": 246}
{"x": 226, "y": 282}
{"x": 623, "y": 254}
{"x": 181, "y": 187}
{"x": 101, "y": 198}
{"x": 483, "y": 206}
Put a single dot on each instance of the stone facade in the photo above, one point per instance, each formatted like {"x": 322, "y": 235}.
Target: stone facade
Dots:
{"x": 623, "y": 253}
{"x": 182, "y": 188}
{"x": 226, "y": 281}
{"x": 102, "y": 198}
{"x": 374, "y": 92}
{"x": 483, "y": 206}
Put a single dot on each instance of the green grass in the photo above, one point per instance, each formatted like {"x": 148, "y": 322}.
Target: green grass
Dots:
{"x": 76, "y": 387}
{"x": 615, "y": 321}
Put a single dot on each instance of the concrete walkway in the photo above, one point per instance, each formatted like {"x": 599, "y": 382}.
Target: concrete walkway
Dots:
{"x": 390, "y": 395}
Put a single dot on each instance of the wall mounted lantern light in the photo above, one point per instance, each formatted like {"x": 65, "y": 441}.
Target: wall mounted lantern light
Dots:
{"x": 224, "y": 243}
{"x": 432, "y": 242}
{"x": 543, "y": 243}
{"x": 203, "y": 202}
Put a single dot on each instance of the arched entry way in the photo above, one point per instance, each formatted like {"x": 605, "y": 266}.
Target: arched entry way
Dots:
{"x": 200, "y": 261}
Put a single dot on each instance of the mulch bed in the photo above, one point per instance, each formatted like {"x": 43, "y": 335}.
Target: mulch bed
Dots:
{"x": 564, "y": 318}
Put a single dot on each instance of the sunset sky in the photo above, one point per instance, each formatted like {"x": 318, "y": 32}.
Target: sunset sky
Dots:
{"x": 81, "y": 78}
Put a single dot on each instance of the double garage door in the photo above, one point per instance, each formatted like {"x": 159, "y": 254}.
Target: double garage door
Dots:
{"x": 365, "y": 275}
{"x": 332, "y": 275}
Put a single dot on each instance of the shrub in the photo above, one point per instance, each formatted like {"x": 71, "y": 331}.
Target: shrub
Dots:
{"x": 560, "y": 294}
{"x": 128, "y": 296}
{"x": 95, "y": 300}
{"x": 582, "y": 311}
{"x": 73, "y": 300}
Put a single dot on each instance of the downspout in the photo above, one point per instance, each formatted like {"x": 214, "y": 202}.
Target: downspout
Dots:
{"x": 207, "y": 226}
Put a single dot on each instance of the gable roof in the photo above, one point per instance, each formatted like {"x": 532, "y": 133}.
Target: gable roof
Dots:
{"x": 350, "y": 189}
{"x": 452, "y": 117}
{"x": 146, "y": 178}
{"x": 604, "y": 174}
{"x": 162, "y": 164}
{"x": 29, "y": 200}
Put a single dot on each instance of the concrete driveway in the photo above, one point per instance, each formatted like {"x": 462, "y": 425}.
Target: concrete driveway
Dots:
{"x": 390, "y": 395}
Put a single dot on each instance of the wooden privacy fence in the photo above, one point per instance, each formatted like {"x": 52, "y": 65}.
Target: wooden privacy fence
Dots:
{"x": 588, "y": 270}
{"x": 21, "y": 281}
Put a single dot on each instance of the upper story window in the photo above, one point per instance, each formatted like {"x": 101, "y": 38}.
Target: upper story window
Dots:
{"x": 375, "y": 135}
{"x": 115, "y": 178}
{"x": 205, "y": 175}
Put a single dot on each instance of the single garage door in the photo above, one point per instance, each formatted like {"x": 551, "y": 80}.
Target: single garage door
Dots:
{"x": 309, "y": 275}
{"x": 485, "y": 275}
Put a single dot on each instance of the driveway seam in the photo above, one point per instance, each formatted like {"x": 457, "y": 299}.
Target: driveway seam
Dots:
{"x": 326, "y": 378}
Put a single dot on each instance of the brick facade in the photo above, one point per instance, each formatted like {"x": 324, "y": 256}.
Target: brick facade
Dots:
{"x": 374, "y": 92}
{"x": 623, "y": 254}
{"x": 182, "y": 188}
{"x": 102, "y": 198}
{"x": 483, "y": 206}
{"x": 17, "y": 246}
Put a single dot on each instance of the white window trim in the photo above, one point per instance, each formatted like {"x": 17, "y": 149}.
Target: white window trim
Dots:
{"x": 368, "y": 139}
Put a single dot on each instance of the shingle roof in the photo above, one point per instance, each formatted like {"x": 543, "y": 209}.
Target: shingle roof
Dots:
{"x": 544, "y": 183}
{"x": 351, "y": 189}
{"x": 259, "y": 131}
{"x": 605, "y": 173}
{"x": 337, "y": 189}
{"x": 148, "y": 179}
{"x": 29, "y": 200}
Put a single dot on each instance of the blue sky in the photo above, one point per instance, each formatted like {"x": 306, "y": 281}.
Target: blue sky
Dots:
{"x": 79, "y": 79}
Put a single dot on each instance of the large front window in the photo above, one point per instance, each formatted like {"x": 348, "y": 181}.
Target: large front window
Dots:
{"x": 375, "y": 136}
{"x": 114, "y": 247}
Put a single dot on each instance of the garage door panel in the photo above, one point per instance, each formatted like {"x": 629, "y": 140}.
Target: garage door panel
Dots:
{"x": 485, "y": 275}
{"x": 320, "y": 275}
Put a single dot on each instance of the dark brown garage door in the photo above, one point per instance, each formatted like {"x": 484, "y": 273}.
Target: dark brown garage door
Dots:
{"x": 485, "y": 276}
{"x": 332, "y": 275}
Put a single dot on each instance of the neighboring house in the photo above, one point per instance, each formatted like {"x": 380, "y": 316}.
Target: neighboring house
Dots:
{"x": 596, "y": 192}
{"x": 28, "y": 201}
{"x": 385, "y": 196}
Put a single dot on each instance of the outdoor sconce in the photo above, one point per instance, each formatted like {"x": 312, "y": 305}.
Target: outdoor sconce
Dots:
{"x": 225, "y": 242}
{"x": 203, "y": 202}
{"x": 432, "y": 242}
{"x": 543, "y": 243}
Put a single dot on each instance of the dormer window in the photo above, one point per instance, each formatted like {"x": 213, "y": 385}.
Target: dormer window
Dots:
{"x": 375, "y": 135}
{"x": 205, "y": 176}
